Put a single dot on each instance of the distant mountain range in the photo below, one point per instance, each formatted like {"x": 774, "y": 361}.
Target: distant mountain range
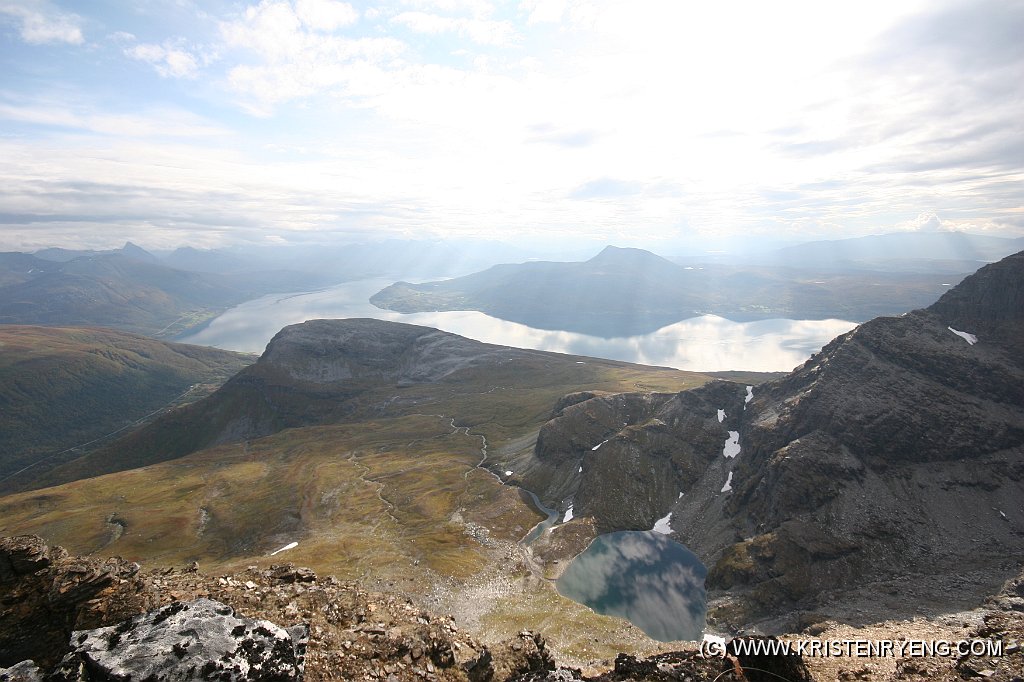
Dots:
{"x": 953, "y": 252}
{"x": 169, "y": 294}
{"x": 625, "y": 292}
{"x": 128, "y": 289}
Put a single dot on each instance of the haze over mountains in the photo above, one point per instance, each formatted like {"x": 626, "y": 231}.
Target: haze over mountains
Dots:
{"x": 890, "y": 462}
{"x": 170, "y": 294}
{"x": 619, "y": 292}
{"x": 905, "y": 412}
{"x": 627, "y": 292}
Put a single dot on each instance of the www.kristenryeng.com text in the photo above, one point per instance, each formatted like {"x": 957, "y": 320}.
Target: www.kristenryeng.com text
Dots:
{"x": 851, "y": 648}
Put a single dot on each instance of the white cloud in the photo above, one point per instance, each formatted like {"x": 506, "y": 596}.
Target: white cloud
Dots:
{"x": 544, "y": 11}
{"x": 481, "y": 31}
{"x": 293, "y": 61}
{"x": 325, "y": 15}
{"x": 669, "y": 118}
{"x": 924, "y": 222}
{"x": 476, "y": 8}
{"x": 152, "y": 123}
{"x": 39, "y": 23}
{"x": 168, "y": 60}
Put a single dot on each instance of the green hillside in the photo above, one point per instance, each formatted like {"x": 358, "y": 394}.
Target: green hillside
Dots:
{"x": 64, "y": 387}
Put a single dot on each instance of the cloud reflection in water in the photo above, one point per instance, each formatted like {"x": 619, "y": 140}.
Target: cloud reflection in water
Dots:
{"x": 647, "y": 578}
{"x": 706, "y": 343}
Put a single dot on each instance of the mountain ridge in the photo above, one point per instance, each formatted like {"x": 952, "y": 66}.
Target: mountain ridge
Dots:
{"x": 871, "y": 460}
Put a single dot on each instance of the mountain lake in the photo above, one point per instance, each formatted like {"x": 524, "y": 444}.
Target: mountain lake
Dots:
{"x": 706, "y": 343}
{"x": 644, "y": 577}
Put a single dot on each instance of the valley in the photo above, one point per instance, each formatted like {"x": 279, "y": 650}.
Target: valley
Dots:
{"x": 375, "y": 476}
{"x": 66, "y": 390}
{"x": 405, "y": 458}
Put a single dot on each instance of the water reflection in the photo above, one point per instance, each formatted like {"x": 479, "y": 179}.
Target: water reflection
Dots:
{"x": 702, "y": 343}
{"x": 652, "y": 581}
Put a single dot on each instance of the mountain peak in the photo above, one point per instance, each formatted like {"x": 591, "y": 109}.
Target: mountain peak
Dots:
{"x": 628, "y": 256}
{"x": 135, "y": 251}
{"x": 990, "y": 301}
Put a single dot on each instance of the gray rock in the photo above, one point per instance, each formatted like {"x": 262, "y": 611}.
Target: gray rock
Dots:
{"x": 26, "y": 671}
{"x": 203, "y": 639}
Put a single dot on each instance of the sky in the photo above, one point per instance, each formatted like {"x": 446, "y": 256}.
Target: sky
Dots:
{"x": 649, "y": 123}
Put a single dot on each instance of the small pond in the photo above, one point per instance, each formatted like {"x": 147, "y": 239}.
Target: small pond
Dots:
{"x": 644, "y": 577}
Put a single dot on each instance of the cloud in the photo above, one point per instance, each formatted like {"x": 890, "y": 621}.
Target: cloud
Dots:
{"x": 605, "y": 188}
{"x": 325, "y": 15}
{"x": 563, "y": 138}
{"x": 969, "y": 37}
{"x": 169, "y": 61}
{"x": 40, "y": 24}
{"x": 154, "y": 123}
{"x": 294, "y": 57}
{"x": 480, "y": 31}
{"x": 924, "y": 222}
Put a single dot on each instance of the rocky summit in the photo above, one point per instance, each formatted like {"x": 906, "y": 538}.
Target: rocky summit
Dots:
{"x": 76, "y": 618}
{"x": 881, "y": 477}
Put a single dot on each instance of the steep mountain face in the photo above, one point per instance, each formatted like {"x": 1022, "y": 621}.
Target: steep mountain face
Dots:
{"x": 623, "y": 292}
{"x": 64, "y": 387}
{"x": 897, "y": 450}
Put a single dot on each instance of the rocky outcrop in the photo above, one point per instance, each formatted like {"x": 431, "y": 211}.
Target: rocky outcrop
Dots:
{"x": 220, "y": 624}
{"x": 202, "y": 639}
{"x": 131, "y": 623}
{"x": 45, "y": 595}
{"x": 896, "y": 450}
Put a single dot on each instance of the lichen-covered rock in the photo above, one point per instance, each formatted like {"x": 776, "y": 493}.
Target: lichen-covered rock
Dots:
{"x": 26, "y": 671}
{"x": 202, "y": 639}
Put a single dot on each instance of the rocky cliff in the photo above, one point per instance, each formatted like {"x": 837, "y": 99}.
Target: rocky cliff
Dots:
{"x": 896, "y": 451}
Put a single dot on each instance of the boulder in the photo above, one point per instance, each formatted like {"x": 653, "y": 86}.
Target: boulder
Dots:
{"x": 202, "y": 639}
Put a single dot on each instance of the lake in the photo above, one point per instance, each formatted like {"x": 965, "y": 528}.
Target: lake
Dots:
{"x": 707, "y": 343}
{"x": 644, "y": 577}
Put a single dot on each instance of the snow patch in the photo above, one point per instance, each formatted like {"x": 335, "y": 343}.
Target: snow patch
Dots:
{"x": 568, "y": 515}
{"x": 290, "y": 545}
{"x": 599, "y": 444}
{"x": 969, "y": 338}
{"x": 680, "y": 496}
{"x": 581, "y": 470}
{"x": 721, "y": 416}
{"x": 663, "y": 525}
{"x": 728, "y": 484}
{"x": 732, "y": 444}
{"x": 750, "y": 396}
{"x": 508, "y": 473}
